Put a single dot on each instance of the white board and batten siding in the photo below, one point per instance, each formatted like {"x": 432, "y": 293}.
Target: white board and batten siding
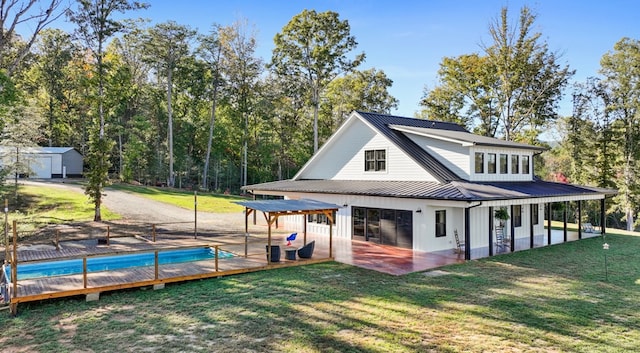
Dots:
{"x": 344, "y": 159}
{"x": 453, "y": 155}
{"x": 479, "y": 218}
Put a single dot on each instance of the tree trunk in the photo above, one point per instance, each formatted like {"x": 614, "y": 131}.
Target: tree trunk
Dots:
{"x": 170, "y": 132}
{"x": 210, "y": 141}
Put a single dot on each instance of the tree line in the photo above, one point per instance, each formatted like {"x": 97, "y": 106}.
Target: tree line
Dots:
{"x": 167, "y": 104}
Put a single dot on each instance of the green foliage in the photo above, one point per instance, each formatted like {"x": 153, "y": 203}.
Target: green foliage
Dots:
{"x": 313, "y": 48}
{"x": 511, "y": 91}
{"x": 360, "y": 90}
{"x": 97, "y": 174}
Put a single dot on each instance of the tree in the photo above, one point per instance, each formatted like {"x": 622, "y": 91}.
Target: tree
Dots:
{"x": 622, "y": 78}
{"x": 95, "y": 26}
{"x": 241, "y": 70}
{"x": 314, "y": 46}
{"x": 166, "y": 44}
{"x": 466, "y": 80}
{"x": 14, "y": 13}
{"x": 512, "y": 90}
{"x": 55, "y": 51}
{"x": 529, "y": 79}
{"x": 210, "y": 51}
{"x": 360, "y": 90}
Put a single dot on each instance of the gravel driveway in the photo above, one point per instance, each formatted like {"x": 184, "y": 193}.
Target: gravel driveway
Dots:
{"x": 137, "y": 209}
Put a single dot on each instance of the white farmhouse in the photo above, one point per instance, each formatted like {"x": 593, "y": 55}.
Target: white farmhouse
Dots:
{"x": 421, "y": 184}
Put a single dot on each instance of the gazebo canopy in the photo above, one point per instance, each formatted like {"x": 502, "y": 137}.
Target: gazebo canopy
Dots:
{"x": 272, "y": 209}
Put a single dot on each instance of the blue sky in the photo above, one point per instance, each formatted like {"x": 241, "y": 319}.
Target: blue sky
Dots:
{"x": 408, "y": 39}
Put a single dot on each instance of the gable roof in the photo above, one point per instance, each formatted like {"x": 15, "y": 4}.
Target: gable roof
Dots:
{"x": 464, "y": 138}
{"x": 383, "y": 123}
{"x": 454, "y": 191}
{"x": 39, "y": 150}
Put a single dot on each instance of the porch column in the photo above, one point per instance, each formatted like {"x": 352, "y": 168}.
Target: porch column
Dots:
{"x": 531, "y": 226}
{"x": 564, "y": 219}
{"x": 603, "y": 217}
{"x": 490, "y": 231}
{"x": 467, "y": 235}
{"x": 579, "y": 219}
{"x": 513, "y": 230}
{"x": 549, "y": 223}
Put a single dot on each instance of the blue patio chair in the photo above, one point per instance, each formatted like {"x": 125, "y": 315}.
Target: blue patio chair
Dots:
{"x": 306, "y": 251}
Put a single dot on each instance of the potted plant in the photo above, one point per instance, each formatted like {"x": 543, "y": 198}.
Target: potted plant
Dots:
{"x": 502, "y": 215}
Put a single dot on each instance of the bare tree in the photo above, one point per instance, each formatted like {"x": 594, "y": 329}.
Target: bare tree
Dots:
{"x": 23, "y": 12}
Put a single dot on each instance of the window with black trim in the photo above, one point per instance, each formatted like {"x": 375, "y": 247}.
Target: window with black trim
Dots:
{"x": 375, "y": 160}
{"x": 479, "y": 161}
{"x": 515, "y": 164}
{"x": 504, "y": 164}
{"x": 525, "y": 164}
{"x": 441, "y": 223}
{"x": 535, "y": 214}
{"x": 517, "y": 215}
{"x": 491, "y": 163}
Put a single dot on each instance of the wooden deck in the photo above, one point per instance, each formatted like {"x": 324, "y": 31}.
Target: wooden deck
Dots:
{"x": 36, "y": 289}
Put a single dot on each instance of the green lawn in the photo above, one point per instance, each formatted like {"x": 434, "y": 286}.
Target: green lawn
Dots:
{"x": 41, "y": 205}
{"x": 185, "y": 199}
{"x": 552, "y": 299}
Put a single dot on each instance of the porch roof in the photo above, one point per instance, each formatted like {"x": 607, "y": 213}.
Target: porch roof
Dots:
{"x": 454, "y": 191}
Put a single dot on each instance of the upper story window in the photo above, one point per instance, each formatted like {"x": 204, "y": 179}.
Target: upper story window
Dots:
{"x": 515, "y": 164}
{"x": 491, "y": 163}
{"x": 375, "y": 160}
{"x": 525, "y": 164}
{"x": 479, "y": 162}
{"x": 504, "y": 164}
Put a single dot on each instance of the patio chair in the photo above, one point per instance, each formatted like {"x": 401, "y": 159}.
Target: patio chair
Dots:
{"x": 502, "y": 240}
{"x": 306, "y": 251}
{"x": 588, "y": 228}
{"x": 459, "y": 245}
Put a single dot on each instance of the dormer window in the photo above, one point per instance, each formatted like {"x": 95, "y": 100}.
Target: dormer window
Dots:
{"x": 479, "y": 162}
{"x": 375, "y": 160}
{"x": 515, "y": 164}
{"x": 525, "y": 164}
{"x": 491, "y": 163}
{"x": 503, "y": 163}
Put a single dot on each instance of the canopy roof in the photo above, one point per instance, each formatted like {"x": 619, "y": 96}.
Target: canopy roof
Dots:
{"x": 288, "y": 206}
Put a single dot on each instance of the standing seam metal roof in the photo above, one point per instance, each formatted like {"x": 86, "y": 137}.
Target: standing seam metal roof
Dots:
{"x": 456, "y": 191}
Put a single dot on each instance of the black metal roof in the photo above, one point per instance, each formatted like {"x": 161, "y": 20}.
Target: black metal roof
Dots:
{"x": 455, "y": 191}
{"x": 383, "y": 123}
{"x": 468, "y": 137}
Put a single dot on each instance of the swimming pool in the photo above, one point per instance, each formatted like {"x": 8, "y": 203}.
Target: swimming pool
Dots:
{"x": 115, "y": 262}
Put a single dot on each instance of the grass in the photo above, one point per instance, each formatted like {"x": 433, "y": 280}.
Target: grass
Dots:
{"x": 41, "y": 205}
{"x": 551, "y": 299}
{"x": 185, "y": 199}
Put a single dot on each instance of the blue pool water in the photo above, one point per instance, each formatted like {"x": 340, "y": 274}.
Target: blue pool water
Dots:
{"x": 116, "y": 262}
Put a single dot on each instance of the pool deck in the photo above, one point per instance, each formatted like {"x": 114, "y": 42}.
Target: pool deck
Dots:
{"x": 385, "y": 259}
